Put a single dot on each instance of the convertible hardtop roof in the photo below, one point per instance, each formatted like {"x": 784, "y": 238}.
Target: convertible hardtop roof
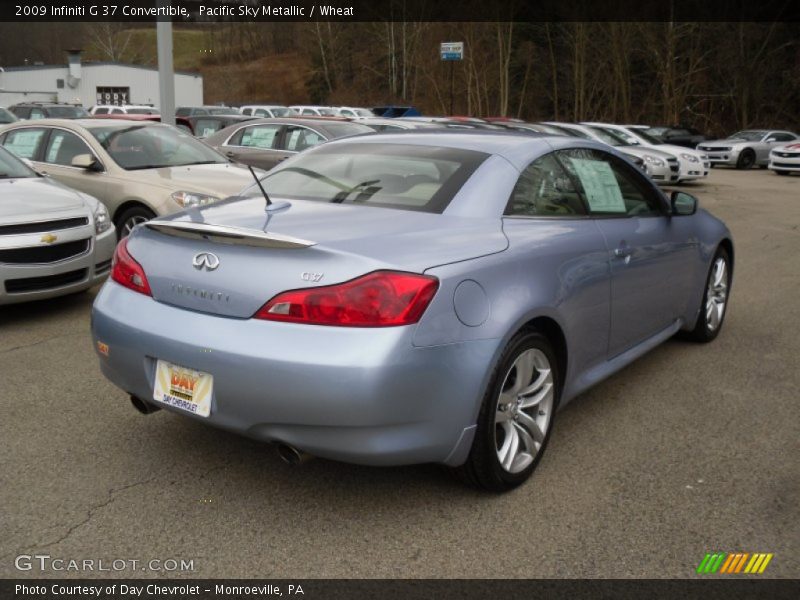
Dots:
{"x": 504, "y": 143}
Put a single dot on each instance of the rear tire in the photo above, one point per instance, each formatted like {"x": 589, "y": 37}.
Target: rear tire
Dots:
{"x": 715, "y": 299}
{"x": 516, "y": 417}
{"x": 746, "y": 159}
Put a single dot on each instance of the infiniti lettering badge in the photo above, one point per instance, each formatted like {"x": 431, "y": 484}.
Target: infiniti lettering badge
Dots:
{"x": 205, "y": 260}
{"x": 185, "y": 290}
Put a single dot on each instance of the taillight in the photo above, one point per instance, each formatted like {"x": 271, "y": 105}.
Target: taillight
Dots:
{"x": 379, "y": 299}
{"x": 126, "y": 271}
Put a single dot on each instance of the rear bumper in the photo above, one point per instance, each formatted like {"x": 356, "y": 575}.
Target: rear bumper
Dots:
{"x": 24, "y": 283}
{"x": 358, "y": 395}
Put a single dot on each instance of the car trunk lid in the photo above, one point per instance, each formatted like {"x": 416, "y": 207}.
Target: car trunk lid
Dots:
{"x": 220, "y": 259}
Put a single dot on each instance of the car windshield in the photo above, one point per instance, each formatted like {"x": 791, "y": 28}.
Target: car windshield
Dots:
{"x": 627, "y": 138}
{"x": 280, "y": 111}
{"x": 656, "y": 131}
{"x": 326, "y": 112}
{"x": 608, "y": 137}
{"x": 749, "y": 135}
{"x": 142, "y": 111}
{"x": 571, "y": 132}
{"x": 6, "y": 116}
{"x": 153, "y": 146}
{"x": 13, "y": 168}
{"x": 650, "y": 139}
{"x": 222, "y": 110}
{"x": 408, "y": 177}
{"x": 67, "y": 112}
{"x": 363, "y": 112}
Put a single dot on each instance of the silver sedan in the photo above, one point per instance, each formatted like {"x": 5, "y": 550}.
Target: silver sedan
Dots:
{"x": 53, "y": 240}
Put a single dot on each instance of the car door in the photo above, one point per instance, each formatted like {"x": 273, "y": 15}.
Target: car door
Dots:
{"x": 297, "y": 138}
{"x": 651, "y": 255}
{"x": 561, "y": 253}
{"x": 255, "y": 145}
{"x": 60, "y": 149}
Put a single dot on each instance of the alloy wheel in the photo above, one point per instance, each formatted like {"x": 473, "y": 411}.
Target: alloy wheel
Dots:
{"x": 717, "y": 294}
{"x": 523, "y": 412}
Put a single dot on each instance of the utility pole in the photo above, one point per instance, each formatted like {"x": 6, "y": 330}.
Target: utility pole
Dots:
{"x": 451, "y": 52}
{"x": 166, "y": 73}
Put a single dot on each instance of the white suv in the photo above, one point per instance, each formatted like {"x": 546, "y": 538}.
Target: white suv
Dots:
{"x": 315, "y": 111}
{"x": 267, "y": 111}
{"x": 125, "y": 109}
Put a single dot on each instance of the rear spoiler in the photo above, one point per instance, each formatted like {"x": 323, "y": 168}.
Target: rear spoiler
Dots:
{"x": 224, "y": 234}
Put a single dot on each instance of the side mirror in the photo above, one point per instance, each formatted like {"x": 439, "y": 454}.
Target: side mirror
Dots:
{"x": 86, "y": 161}
{"x": 683, "y": 204}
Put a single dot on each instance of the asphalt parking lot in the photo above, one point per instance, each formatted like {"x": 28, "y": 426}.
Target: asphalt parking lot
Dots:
{"x": 692, "y": 449}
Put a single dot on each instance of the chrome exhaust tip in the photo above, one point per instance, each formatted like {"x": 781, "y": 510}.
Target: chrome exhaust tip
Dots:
{"x": 291, "y": 455}
{"x": 143, "y": 407}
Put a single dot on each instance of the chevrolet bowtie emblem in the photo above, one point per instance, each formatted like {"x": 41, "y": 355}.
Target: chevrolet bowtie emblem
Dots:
{"x": 49, "y": 238}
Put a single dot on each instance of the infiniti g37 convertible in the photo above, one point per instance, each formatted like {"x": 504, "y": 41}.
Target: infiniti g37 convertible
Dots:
{"x": 411, "y": 297}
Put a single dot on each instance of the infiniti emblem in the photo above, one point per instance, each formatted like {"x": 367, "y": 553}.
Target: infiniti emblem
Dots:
{"x": 205, "y": 260}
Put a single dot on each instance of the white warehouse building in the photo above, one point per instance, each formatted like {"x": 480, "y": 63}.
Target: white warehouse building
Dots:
{"x": 93, "y": 83}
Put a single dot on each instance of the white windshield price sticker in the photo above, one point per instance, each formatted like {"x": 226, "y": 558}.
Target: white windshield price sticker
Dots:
{"x": 600, "y": 185}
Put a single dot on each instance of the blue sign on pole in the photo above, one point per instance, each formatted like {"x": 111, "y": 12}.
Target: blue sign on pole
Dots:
{"x": 452, "y": 50}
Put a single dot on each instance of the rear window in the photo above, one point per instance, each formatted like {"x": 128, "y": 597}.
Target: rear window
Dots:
{"x": 407, "y": 177}
{"x": 224, "y": 110}
{"x": 67, "y": 112}
{"x": 338, "y": 130}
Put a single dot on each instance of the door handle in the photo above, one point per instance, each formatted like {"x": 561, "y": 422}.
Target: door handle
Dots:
{"x": 230, "y": 153}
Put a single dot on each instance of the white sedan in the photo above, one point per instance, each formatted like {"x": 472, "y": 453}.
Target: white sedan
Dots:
{"x": 53, "y": 240}
{"x": 693, "y": 163}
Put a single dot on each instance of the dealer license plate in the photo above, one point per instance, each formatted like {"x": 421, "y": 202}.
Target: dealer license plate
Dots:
{"x": 183, "y": 388}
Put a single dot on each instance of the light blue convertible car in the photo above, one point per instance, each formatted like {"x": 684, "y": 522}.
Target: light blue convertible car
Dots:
{"x": 411, "y": 297}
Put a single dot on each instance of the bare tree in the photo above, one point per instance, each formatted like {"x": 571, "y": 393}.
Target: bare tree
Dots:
{"x": 113, "y": 41}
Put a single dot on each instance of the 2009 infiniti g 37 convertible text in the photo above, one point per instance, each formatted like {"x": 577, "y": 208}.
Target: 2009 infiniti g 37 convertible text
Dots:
{"x": 408, "y": 298}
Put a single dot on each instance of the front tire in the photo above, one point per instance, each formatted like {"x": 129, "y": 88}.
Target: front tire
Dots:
{"x": 746, "y": 159}
{"x": 131, "y": 218}
{"x": 715, "y": 299}
{"x": 516, "y": 416}
{"x": 782, "y": 172}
